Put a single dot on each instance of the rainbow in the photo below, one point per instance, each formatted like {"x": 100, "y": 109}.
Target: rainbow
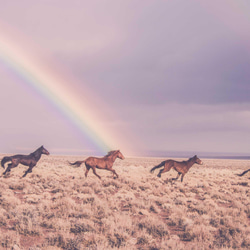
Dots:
{"x": 58, "y": 90}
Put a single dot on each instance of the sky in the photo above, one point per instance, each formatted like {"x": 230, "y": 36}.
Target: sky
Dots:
{"x": 157, "y": 76}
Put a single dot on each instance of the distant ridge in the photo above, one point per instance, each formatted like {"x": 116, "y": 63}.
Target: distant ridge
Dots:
{"x": 152, "y": 153}
{"x": 186, "y": 154}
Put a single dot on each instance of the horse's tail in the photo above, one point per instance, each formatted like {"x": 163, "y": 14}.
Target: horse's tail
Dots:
{"x": 243, "y": 172}
{"x": 158, "y": 166}
{"x": 76, "y": 164}
{"x": 4, "y": 160}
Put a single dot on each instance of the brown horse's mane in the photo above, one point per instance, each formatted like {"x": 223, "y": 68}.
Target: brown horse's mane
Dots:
{"x": 111, "y": 152}
{"x": 192, "y": 158}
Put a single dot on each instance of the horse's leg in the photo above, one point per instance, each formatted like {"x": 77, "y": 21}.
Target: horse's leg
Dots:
{"x": 29, "y": 170}
{"x": 94, "y": 171}
{"x": 160, "y": 172}
{"x": 178, "y": 175}
{"x": 113, "y": 171}
{"x": 166, "y": 168}
{"x": 8, "y": 168}
{"x": 182, "y": 176}
{"x": 86, "y": 172}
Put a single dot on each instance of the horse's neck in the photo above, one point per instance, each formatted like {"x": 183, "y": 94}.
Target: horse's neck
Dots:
{"x": 112, "y": 157}
{"x": 37, "y": 154}
{"x": 190, "y": 162}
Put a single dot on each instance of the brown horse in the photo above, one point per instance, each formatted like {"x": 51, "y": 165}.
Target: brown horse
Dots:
{"x": 181, "y": 167}
{"x": 105, "y": 162}
{"x": 27, "y": 160}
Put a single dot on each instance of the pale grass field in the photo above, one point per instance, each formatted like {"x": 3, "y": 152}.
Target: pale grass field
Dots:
{"x": 56, "y": 207}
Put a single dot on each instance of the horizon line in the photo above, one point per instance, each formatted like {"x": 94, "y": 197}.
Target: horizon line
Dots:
{"x": 147, "y": 153}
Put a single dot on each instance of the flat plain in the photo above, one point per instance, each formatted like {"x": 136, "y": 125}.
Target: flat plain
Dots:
{"x": 56, "y": 207}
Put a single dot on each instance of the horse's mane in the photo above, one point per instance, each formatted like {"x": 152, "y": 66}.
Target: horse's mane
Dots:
{"x": 36, "y": 151}
{"x": 111, "y": 152}
{"x": 192, "y": 158}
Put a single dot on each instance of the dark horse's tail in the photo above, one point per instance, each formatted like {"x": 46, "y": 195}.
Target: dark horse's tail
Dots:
{"x": 4, "y": 160}
{"x": 158, "y": 166}
{"x": 76, "y": 164}
{"x": 243, "y": 173}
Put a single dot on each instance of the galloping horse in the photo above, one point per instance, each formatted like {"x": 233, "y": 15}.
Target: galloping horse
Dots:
{"x": 105, "y": 162}
{"x": 181, "y": 167}
{"x": 27, "y": 160}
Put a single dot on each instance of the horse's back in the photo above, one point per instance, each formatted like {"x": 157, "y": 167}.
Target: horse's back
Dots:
{"x": 180, "y": 166}
{"x": 93, "y": 160}
{"x": 23, "y": 159}
{"x": 170, "y": 162}
{"x": 18, "y": 156}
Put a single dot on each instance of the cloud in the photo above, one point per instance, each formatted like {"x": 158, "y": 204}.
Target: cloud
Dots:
{"x": 190, "y": 127}
{"x": 156, "y": 55}
{"x": 174, "y": 72}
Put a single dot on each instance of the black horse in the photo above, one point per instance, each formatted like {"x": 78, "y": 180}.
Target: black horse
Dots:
{"x": 27, "y": 160}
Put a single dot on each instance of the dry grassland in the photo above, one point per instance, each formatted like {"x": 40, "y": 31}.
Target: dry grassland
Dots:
{"x": 56, "y": 207}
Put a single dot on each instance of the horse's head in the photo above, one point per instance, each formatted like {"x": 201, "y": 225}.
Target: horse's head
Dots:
{"x": 44, "y": 150}
{"x": 197, "y": 160}
{"x": 120, "y": 155}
